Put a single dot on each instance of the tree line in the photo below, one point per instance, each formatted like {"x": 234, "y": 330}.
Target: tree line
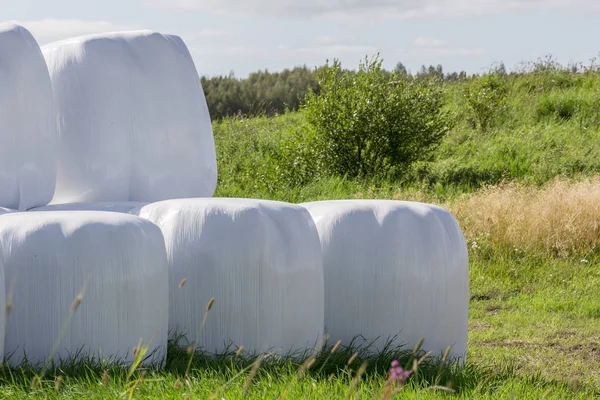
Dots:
{"x": 272, "y": 93}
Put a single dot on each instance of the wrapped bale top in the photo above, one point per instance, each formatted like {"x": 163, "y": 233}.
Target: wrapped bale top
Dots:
{"x": 133, "y": 120}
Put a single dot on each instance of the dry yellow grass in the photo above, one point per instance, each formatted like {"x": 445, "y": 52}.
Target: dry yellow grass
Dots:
{"x": 561, "y": 218}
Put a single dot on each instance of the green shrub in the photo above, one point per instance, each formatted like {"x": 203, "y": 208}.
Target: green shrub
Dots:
{"x": 558, "y": 107}
{"x": 583, "y": 108}
{"x": 486, "y": 100}
{"x": 265, "y": 157}
{"x": 374, "y": 124}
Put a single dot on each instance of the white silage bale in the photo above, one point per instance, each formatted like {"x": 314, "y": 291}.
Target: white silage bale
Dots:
{"x": 133, "y": 120}
{"x": 117, "y": 263}
{"x": 124, "y": 207}
{"x": 27, "y": 122}
{"x": 260, "y": 260}
{"x": 394, "y": 269}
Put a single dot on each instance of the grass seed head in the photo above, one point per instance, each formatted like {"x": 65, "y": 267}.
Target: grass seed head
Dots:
{"x": 351, "y": 360}
{"x": 210, "y": 303}
{"x": 58, "y": 383}
{"x": 239, "y": 351}
{"x": 337, "y": 345}
{"x": 76, "y": 302}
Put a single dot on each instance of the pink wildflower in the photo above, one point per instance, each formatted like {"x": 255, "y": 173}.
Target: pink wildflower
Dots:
{"x": 397, "y": 373}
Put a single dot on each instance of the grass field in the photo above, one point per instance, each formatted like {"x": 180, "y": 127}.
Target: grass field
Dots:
{"x": 527, "y": 195}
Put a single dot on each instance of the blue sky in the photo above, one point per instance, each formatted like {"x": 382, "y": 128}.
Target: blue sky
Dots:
{"x": 247, "y": 35}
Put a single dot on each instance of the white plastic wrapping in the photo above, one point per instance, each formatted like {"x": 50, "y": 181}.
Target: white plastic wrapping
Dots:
{"x": 133, "y": 120}
{"x": 116, "y": 261}
{"x": 27, "y": 122}
{"x": 260, "y": 260}
{"x": 2, "y": 303}
{"x": 5, "y": 210}
{"x": 124, "y": 207}
{"x": 394, "y": 269}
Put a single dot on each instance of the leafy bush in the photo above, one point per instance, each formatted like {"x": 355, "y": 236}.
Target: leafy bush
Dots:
{"x": 265, "y": 157}
{"x": 372, "y": 123}
{"x": 559, "y": 107}
{"x": 486, "y": 100}
{"x": 583, "y": 108}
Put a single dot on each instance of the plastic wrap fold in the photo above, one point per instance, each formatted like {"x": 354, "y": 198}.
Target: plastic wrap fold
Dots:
{"x": 124, "y": 207}
{"x": 260, "y": 260}
{"x": 27, "y": 122}
{"x": 133, "y": 120}
{"x": 101, "y": 276}
{"x": 394, "y": 269}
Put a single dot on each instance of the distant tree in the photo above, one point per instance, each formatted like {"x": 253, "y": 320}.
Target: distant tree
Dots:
{"x": 452, "y": 77}
{"x": 262, "y": 92}
{"x": 433, "y": 71}
{"x": 272, "y": 93}
{"x": 400, "y": 69}
{"x": 499, "y": 69}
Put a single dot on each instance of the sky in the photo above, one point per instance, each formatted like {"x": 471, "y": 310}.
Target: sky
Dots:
{"x": 249, "y": 35}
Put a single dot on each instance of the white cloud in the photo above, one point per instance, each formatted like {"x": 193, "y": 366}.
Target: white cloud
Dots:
{"x": 325, "y": 39}
{"x": 50, "y": 30}
{"x": 214, "y": 33}
{"x": 373, "y": 9}
{"x": 435, "y": 47}
{"x": 429, "y": 42}
{"x": 334, "y": 50}
{"x": 449, "y": 52}
{"x": 225, "y": 51}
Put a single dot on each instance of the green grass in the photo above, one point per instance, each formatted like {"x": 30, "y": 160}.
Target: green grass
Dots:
{"x": 550, "y": 128}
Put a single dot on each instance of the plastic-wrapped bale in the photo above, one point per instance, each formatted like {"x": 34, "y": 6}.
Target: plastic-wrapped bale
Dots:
{"x": 102, "y": 275}
{"x": 2, "y": 304}
{"x": 27, "y": 122}
{"x": 394, "y": 270}
{"x": 124, "y": 207}
{"x": 260, "y": 260}
{"x": 133, "y": 120}
{"x": 5, "y": 210}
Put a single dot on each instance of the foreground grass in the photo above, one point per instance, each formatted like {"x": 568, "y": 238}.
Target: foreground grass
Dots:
{"x": 540, "y": 315}
{"x": 340, "y": 375}
{"x": 533, "y": 333}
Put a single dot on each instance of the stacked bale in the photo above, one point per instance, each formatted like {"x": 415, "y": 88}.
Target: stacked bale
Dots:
{"x": 259, "y": 260}
{"x": 27, "y": 122}
{"x": 394, "y": 271}
{"x": 133, "y": 120}
{"x": 101, "y": 276}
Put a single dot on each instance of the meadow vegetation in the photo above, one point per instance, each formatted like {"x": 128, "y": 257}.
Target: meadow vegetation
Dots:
{"x": 515, "y": 157}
